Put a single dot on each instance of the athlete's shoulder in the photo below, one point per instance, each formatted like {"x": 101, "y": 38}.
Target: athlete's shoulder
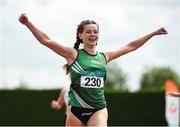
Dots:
{"x": 80, "y": 50}
{"x": 103, "y": 55}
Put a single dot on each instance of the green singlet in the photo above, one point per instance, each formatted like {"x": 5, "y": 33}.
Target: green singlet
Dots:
{"x": 88, "y": 73}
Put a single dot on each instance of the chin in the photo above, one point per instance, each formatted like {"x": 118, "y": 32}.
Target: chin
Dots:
{"x": 93, "y": 44}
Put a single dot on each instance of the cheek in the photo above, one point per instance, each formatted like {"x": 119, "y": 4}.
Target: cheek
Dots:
{"x": 83, "y": 36}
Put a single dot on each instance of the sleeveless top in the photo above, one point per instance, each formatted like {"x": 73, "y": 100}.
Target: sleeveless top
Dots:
{"x": 88, "y": 73}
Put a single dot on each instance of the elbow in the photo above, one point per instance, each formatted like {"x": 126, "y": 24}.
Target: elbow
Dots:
{"x": 45, "y": 42}
{"x": 132, "y": 47}
{"x": 43, "y": 39}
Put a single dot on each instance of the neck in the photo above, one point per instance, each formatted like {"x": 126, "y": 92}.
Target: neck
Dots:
{"x": 90, "y": 50}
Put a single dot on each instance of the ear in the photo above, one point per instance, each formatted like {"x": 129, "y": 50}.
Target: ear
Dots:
{"x": 80, "y": 35}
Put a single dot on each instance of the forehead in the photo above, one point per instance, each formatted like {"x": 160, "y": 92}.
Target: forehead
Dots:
{"x": 91, "y": 27}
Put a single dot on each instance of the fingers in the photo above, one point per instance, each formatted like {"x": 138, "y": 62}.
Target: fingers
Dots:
{"x": 163, "y": 30}
{"x": 55, "y": 105}
{"x": 160, "y": 31}
{"x": 23, "y": 18}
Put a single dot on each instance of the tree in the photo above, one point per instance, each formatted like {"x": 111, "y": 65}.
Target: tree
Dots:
{"x": 116, "y": 78}
{"x": 22, "y": 85}
{"x": 154, "y": 78}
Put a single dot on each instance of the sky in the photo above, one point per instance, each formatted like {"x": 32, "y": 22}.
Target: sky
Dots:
{"x": 24, "y": 59}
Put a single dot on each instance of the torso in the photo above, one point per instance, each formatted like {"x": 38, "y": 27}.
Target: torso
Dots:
{"x": 88, "y": 73}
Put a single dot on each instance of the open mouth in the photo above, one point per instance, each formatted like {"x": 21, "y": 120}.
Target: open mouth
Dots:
{"x": 92, "y": 39}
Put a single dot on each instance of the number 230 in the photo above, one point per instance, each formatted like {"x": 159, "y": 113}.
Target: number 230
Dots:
{"x": 92, "y": 81}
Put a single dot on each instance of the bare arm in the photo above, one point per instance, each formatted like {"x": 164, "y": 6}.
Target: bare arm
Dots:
{"x": 66, "y": 52}
{"x": 174, "y": 94}
{"x": 57, "y": 104}
{"x": 133, "y": 45}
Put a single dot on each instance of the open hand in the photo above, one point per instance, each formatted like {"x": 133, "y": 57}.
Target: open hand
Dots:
{"x": 23, "y": 19}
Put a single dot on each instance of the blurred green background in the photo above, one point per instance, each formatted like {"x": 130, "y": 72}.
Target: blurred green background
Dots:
{"x": 32, "y": 108}
{"x": 145, "y": 107}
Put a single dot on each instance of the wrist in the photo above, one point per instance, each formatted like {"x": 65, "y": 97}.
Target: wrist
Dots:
{"x": 58, "y": 101}
{"x": 153, "y": 33}
{"x": 27, "y": 23}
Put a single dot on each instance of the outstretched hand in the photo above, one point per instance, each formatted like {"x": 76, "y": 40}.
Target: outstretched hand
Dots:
{"x": 23, "y": 19}
{"x": 174, "y": 94}
{"x": 160, "y": 31}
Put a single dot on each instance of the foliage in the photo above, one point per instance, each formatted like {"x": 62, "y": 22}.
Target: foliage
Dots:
{"x": 154, "y": 78}
{"x": 116, "y": 78}
{"x": 22, "y": 85}
{"x": 32, "y": 108}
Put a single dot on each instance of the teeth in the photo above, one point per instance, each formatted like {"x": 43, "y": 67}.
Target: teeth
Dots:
{"x": 92, "y": 39}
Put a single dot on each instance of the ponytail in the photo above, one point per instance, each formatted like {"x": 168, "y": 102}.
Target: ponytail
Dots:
{"x": 66, "y": 68}
{"x": 76, "y": 46}
{"x": 78, "y": 41}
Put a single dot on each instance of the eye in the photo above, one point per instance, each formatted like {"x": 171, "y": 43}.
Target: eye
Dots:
{"x": 88, "y": 31}
{"x": 91, "y": 31}
{"x": 95, "y": 31}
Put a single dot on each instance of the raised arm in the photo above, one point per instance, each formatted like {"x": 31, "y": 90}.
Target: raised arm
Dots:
{"x": 66, "y": 52}
{"x": 129, "y": 47}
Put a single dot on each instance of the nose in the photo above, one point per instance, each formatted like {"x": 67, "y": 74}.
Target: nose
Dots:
{"x": 92, "y": 33}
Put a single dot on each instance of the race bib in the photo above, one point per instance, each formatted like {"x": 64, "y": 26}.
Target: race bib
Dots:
{"x": 92, "y": 82}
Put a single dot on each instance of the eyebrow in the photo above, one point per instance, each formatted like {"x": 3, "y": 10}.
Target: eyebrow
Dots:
{"x": 91, "y": 30}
